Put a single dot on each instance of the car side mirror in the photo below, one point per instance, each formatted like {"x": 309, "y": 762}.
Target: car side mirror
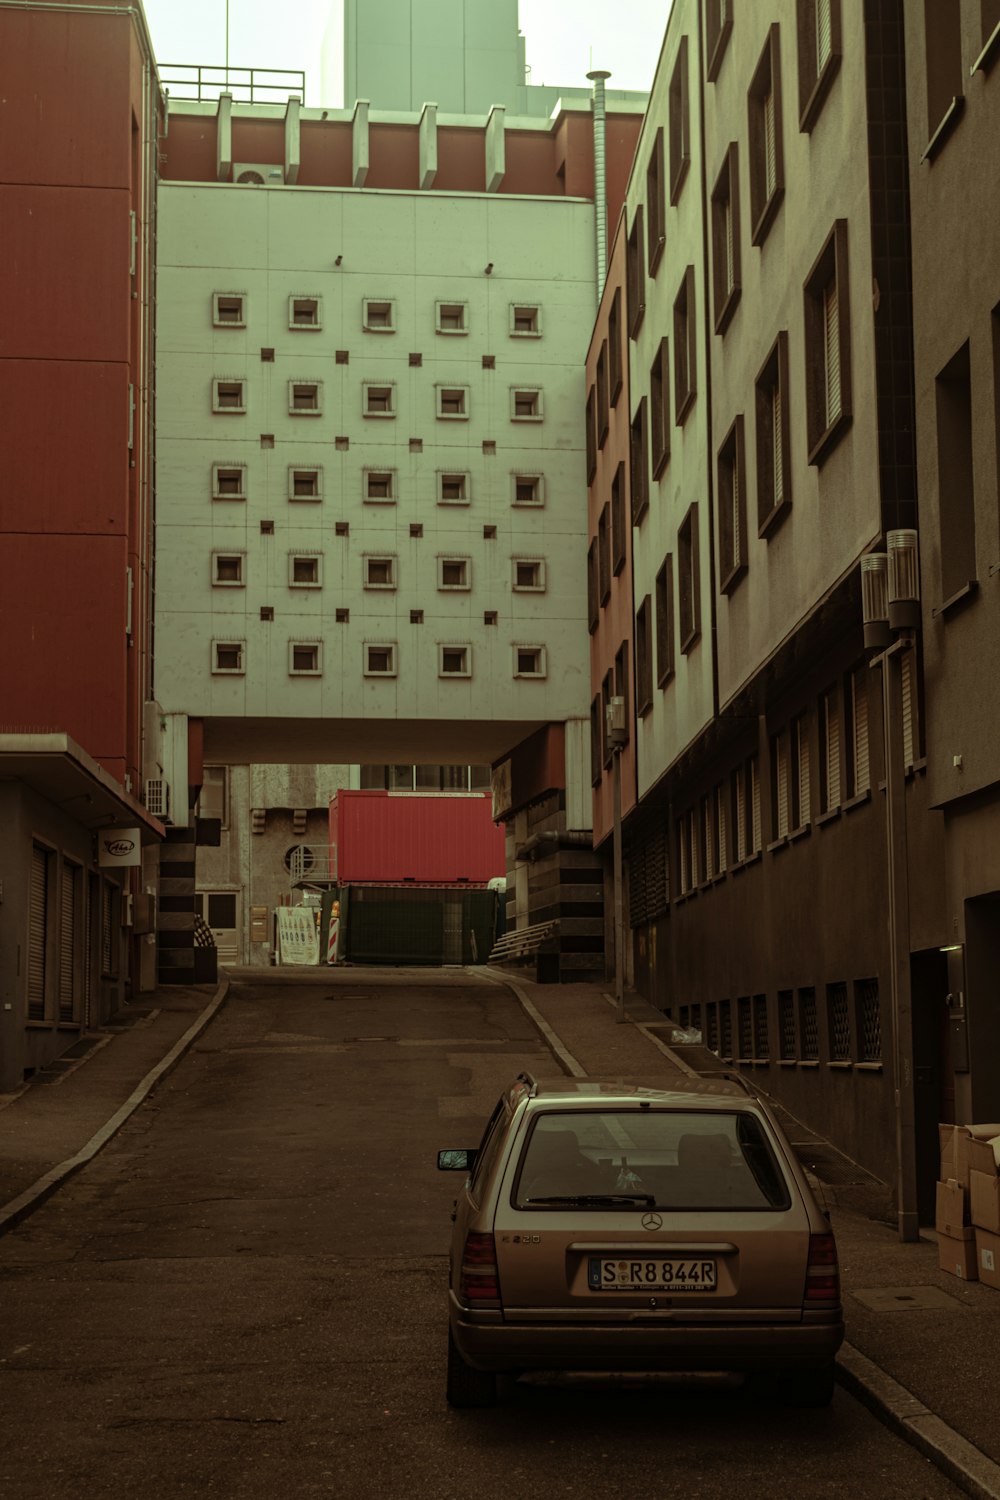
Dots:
{"x": 456, "y": 1161}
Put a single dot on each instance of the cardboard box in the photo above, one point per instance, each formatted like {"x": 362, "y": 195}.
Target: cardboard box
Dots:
{"x": 984, "y": 1156}
{"x": 952, "y": 1216}
{"x": 959, "y": 1257}
{"x": 987, "y": 1257}
{"x": 955, "y": 1145}
{"x": 984, "y": 1196}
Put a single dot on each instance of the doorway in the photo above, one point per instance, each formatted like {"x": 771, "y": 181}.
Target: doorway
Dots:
{"x": 933, "y": 1079}
{"x": 222, "y": 913}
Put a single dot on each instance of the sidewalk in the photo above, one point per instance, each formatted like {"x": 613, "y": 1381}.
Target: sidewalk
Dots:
{"x": 922, "y": 1346}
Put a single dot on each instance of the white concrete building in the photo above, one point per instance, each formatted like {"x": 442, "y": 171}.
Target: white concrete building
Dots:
{"x": 369, "y": 535}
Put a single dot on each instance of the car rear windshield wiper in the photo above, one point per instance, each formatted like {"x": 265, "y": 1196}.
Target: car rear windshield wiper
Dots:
{"x": 598, "y": 1200}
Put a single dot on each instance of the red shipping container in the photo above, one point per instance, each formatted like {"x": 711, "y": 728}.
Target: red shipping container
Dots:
{"x": 418, "y": 836}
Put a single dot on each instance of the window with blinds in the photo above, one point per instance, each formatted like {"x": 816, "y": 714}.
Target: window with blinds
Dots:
{"x": 831, "y": 354}
{"x": 827, "y": 330}
{"x": 767, "y": 168}
{"x": 774, "y": 492}
{"x": 726, "y": 239}
{"x": 829, "y": 744}
{"x": 818, "y": 34}
{"x": 799, "y": 772}
{"x": 38, "y": 928}
{"x": 69, "y": 901}
{"x": 856, "y": 706}
{"x": 779, "y": 786}
{"x": 721, "y": 844}
{"x": 108, "y": 965}
{"x": 732, "y": 509}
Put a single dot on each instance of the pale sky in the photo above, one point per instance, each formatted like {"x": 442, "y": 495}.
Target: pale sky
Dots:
{"x": 565, "y": 38}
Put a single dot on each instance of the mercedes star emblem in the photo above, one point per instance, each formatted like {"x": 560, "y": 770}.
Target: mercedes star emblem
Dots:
{"x": 652, "y": 1221}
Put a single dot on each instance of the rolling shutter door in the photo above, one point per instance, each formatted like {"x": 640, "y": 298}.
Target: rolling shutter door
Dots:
{"x": 37, "y": 923}
{"x": 106, "y": 929}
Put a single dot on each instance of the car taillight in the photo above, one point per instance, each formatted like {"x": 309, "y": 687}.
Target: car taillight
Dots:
{"x": 479, "y": 1280}
{"x": 822, "y": 1272}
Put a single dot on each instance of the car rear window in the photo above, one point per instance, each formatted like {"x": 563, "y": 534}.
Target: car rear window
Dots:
{"x": 679, "y": 1159}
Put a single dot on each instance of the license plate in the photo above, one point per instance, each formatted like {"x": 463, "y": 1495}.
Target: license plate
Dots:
{"x": 605, "y": 1275}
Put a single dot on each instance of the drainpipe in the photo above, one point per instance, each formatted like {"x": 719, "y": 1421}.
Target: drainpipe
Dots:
{"x": 600, "y": 177}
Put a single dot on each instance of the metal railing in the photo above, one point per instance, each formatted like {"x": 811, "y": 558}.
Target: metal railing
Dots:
{"x": 247, "y": 85}
{"x": 312, "y": 862}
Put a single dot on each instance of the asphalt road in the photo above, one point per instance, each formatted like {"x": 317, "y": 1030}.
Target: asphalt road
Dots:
{"x": 244, "y": 1294}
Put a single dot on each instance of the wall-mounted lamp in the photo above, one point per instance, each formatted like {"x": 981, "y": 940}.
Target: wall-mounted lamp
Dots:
{"x": 875, "y": 600}
{"x": 904, "y": 580}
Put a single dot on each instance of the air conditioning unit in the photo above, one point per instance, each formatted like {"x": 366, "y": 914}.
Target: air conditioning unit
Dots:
{"x": 258, "y": 174}
{"x": 157, "y": 798}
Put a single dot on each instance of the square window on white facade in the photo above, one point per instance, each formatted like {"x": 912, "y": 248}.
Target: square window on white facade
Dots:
{"x": 380, "y": 659}
{"x": 379, "y": 485}
{"x": 227, "y": 570}
{"x": 530, "y": 661}
{"x": 229, "y": 396}
{"x": 227, "y": 657}
{"x": 525, "y": 404}
{"x": 454, "y": 573}
{"x": 525, "y": 320}
{"x": 229, "y": 481}
{"x": 529, "y": 575}
{"x": 380, "y": 572}
{"x": 378, "y": 400}
{"x": 305, "y": 484}
{"x": 305, "y": 312}
{"x": 229, "y": 310}
{"x": 452, "y": 317}
{"x": 454, "y": 488}
{"x": 528, "y": 489}
{"x": 305, "y": 398}
{"x": 305, "y": 658}
{"x": 379, "y": 315}
{"x": 454, "y": 661}
{"x": 305, "y": 570}
{"x": 453, "y": 402}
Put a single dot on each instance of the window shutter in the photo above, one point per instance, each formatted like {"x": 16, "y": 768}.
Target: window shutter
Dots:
{"x": 755, "y": 803}
{"x": 720, "y": 806}
{"x": 802, "y": 751}
{"x": 67, "y": 941}
{"x": 106, "y": 930}
{"x": 824, "y": 34}
{"x": 909, "y": 709}
{"x": 832, "y": 715}
{"x": 37, "y": 924}
{"x": 730, "y": 259}
{"x": 741, "y": 814}
{"x": 682, "y": 855}
{"x": 861, "y": 771}
{"x": 831, "y": 352}
{"x": 781, "y": 784}
{"x": 737, "y": 521}
{"x": 770, "y": 147}
{"x": 778, "y": 447}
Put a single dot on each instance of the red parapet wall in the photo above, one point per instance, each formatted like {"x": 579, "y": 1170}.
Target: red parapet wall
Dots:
{"x": 404, "y": 836}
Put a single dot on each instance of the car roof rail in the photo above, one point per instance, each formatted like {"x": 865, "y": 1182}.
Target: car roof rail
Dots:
{"x": 732, "y": 1076}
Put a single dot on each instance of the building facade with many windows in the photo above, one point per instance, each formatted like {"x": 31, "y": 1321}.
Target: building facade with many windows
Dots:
{"x": 773, "y": 413}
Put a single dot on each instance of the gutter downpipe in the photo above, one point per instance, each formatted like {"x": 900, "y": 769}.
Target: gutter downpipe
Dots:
{"x": 597, "y": 78}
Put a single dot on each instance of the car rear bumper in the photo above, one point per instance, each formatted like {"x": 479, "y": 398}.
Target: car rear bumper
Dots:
{"x": 665, "y": 1346}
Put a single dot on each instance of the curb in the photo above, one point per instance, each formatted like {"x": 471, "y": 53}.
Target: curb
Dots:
{"x": 962, "y": 1462}
{"x": 19, "y": 1208}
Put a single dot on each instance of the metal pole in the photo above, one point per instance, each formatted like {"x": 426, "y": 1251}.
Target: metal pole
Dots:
{"x": 227, "y": 43}
{"x": 899, "y": 938}
{"x": 619, "y": 915}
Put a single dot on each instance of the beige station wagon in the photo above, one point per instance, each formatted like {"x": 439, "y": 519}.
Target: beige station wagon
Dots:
{"x": 605, "y": 1227}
